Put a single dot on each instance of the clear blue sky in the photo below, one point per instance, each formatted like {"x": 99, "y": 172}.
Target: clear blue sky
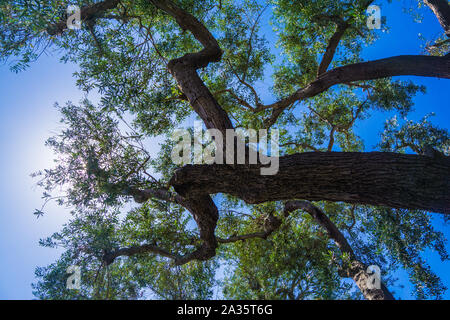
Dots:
{"x": 27, "y": 119}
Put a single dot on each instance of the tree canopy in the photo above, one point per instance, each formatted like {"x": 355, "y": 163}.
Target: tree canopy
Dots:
{"x": 144, "y": 227}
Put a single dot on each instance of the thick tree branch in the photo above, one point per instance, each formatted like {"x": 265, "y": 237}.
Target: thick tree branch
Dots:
{"x": 184, "y": 69}
{"x": 441, "y": 9}
{"x": 358, "y": 270}
{"x": 87, "y": 13}
{"x": 413, "y": 65}
{"x": 374, "y": 178}
{"x": 331, "y": 140}
{"x": 203, "y": 210}
{"x": 200, "y": 254}
{"x": 276, "y": 113}
{"x": 205, "y": 215}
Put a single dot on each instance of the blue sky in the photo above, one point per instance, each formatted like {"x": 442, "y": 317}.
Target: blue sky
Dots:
{"x": 27, "y": 119}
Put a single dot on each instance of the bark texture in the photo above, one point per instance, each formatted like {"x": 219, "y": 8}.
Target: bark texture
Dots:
{"x": 373, "y": 178}
{"x": 184, "y": 69}
{"x": 441, "y": 9}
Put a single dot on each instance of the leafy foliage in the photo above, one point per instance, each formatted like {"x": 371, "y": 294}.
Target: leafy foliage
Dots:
{"x": 100, "y": 157}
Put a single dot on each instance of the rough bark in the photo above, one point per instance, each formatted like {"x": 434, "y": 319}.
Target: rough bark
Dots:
{"x": 373, "y": 178}
{"x": 358, "y": 270}
{"x": 441, "y": 10}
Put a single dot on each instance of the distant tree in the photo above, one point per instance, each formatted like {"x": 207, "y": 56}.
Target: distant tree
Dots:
{"x": 141, "y": 227}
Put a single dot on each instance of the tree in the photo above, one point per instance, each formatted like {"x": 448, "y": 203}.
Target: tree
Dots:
{"x": 330, "y": 211}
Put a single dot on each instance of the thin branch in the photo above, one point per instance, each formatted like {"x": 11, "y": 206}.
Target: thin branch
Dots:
{"x": 92, "y": 32}
{"x": 437, "y": 45}
{"x": 298, "y": 145}
{"x": 143, "y": 249}
{"x": 262, "y": 235}
{"x": 250, "y": 47}
{"x": 352, "y": 214}
{"x": 331, "y": 141}
{"x": 271, "y": 224}
{"x": 245, "y": 83}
